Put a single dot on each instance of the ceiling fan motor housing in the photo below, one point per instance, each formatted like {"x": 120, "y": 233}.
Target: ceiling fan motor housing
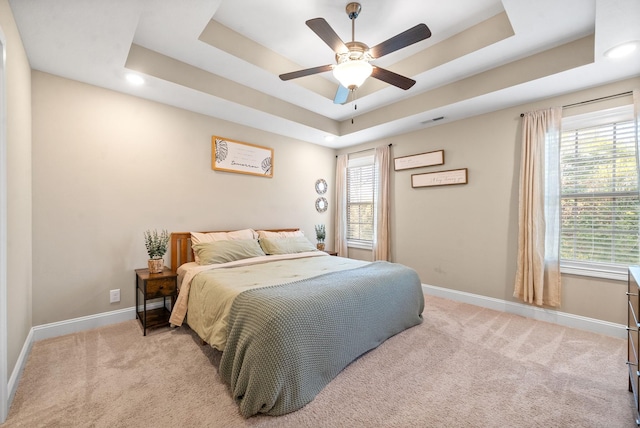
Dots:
{"x": 357, "y": 51}
{"x": 353, "y": 10}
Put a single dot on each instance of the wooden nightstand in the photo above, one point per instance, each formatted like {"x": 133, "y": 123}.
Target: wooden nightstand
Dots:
{"x": 154, "y": 286}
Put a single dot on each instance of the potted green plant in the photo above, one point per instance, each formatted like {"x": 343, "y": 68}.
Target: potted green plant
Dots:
{"x": 156, "y": 244}
{"x": 320, "y": 236}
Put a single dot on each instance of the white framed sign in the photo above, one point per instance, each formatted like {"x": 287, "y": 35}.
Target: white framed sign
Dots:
{"x": 440, "y": 178}
{"x": 419, "y": 160}
{"x": 244, "y": 158}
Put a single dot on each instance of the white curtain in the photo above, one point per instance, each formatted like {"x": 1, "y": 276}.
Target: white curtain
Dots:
{"x": 340, "y": 239}
{"x": 538, "y": 270}
{"x": 381, "y": 241}
{"x": 636, "y": 116}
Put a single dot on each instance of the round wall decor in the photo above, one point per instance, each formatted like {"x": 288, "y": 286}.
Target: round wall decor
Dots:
{"x": 321, "y": 186}
{"x": 321, "y": 204}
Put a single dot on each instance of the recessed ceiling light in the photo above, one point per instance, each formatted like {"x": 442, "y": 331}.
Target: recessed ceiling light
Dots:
{"x": 135, "y": 79}
{"x": 622, "y": 50}
{"x": 329, "y": 138}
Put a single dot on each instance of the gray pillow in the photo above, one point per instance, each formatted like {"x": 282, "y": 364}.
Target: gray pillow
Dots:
{"x": 288, "y": 245}
{"x": 217, "y": 252}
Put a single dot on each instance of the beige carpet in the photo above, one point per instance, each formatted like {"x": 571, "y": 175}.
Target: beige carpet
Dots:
{"x": 465, "y": 366}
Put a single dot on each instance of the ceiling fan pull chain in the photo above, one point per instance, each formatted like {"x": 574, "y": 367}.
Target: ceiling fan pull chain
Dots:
{"x": 355, "y": 106}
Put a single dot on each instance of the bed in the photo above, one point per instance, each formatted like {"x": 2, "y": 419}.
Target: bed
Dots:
{"x": 287, "y": 317}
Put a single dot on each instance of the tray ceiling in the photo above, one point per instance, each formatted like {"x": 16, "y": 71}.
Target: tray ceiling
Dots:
{"x": 223, "y": 58}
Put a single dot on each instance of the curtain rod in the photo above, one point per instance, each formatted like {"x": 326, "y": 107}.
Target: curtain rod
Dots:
{"x": 365, "y": 150}
{"x": 608, "y": 97}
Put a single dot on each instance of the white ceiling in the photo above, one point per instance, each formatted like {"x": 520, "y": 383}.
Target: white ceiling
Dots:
{"x": 222, "y": 57}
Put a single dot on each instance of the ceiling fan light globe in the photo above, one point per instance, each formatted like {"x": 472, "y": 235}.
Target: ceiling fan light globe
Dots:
{"x": 352, "y": 74}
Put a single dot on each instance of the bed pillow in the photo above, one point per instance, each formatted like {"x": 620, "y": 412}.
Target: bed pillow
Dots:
{"x": 268, "y": 234}
{"x": 286, "y": 245}
{"x": 225, "y": 251}
{"x": 199, "y": 238}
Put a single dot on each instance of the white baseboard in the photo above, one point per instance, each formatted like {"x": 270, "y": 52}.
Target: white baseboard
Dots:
{"x": 55, "y": 329}
{"x": 12, "y": 385}
{"x": 535, "y": 312}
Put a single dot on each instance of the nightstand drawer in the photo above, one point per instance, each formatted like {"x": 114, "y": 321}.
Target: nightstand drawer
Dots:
{"x": 160, "y": 287}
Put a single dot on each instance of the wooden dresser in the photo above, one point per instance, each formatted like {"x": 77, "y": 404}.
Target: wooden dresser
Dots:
{"x": 633, "y": 336}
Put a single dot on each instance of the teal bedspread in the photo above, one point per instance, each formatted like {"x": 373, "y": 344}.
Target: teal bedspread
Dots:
{"x": 287, "y": 342}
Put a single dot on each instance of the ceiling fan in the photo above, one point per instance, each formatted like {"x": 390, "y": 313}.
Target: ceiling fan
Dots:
{"x": 353, "y": 58}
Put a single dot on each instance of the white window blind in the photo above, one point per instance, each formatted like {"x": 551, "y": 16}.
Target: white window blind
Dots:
{"x": 599, "y": 192}
{"x": 360, "y": 202}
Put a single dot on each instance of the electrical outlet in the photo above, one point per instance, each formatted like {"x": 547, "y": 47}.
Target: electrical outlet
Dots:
{"x": 114, "y": 296}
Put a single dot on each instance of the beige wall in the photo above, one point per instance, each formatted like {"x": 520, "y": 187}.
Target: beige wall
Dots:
{"x": 18, "y": 188}
{"x": 108, "y": 166}
{"x": 465, "y": 237}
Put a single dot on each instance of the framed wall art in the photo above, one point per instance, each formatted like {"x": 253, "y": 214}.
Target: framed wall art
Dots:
{"x": 419, "y": 160}
{"x": 440, "y": 178}
{"x": 244, "y": 158}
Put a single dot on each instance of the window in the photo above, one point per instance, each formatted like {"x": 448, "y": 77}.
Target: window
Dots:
{"x": 600, "y": 208}
{"x": 360, "y": 202}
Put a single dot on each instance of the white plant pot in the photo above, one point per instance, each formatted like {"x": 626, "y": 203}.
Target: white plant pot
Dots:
{"x": 156, "y": 265}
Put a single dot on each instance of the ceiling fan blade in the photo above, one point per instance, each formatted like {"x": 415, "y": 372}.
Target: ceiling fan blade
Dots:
{"x": 342, "y": 94}
{"x": 306, "y": 72}
{"x": 392, "y": 78}
{"x": 404, "y": 39}
{"x": 326, "y": 33}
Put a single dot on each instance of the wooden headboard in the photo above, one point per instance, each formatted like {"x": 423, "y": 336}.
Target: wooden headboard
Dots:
{"x": 181, "y": 251}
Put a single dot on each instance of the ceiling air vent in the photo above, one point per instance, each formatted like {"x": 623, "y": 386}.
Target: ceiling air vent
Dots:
{"x": 435, "y": 119}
